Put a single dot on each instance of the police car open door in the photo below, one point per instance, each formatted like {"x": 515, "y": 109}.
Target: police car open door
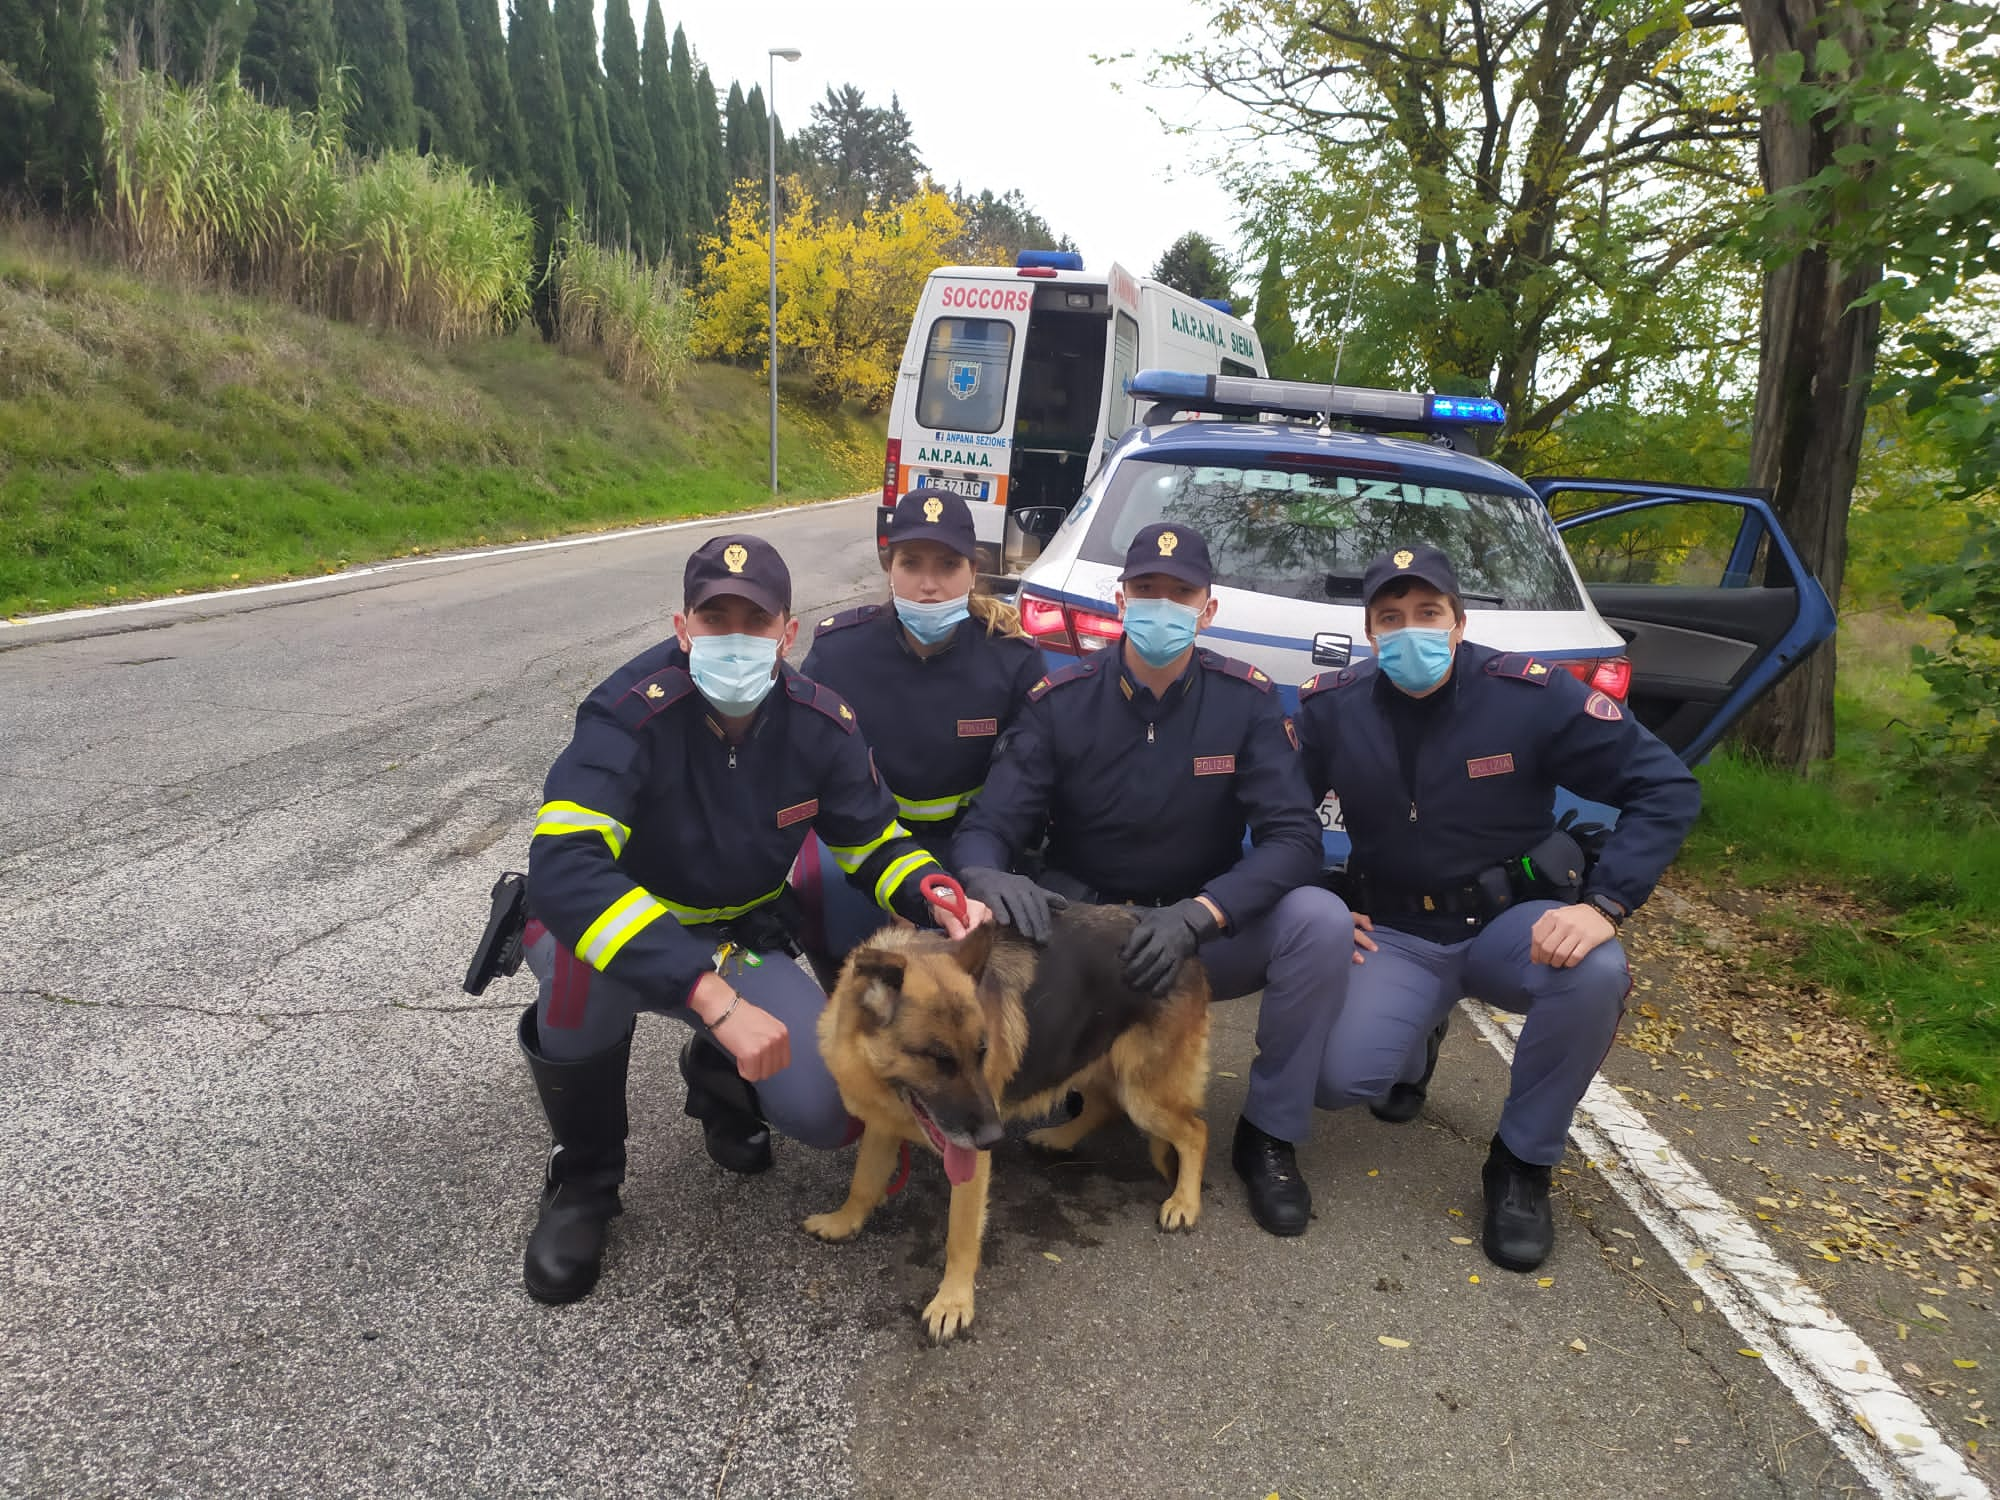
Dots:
{"x": 1708, "y": 592}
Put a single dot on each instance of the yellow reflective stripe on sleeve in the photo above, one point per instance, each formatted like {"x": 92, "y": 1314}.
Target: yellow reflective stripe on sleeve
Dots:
{"x": 573, "y": 817}
{"x": 622, "y": 921}
{"x": 896, "y": 874}
{"x": 936, "y": 809}
{"x": 694, "y": 916}
{"x": 851, "y": 857}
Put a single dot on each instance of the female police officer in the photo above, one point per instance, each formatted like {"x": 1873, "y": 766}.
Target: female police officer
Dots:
{"x": 1446, "y": 757}
{"x": 666, "y": 830}
{"x": 937, "y": 674}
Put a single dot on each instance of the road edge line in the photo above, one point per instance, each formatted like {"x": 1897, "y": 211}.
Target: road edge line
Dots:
{"x": 1802, "y": 1340}
{"x": 429, "y": 560}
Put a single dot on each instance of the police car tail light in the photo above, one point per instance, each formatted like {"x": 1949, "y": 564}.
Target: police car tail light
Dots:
{"x": 892, "y": 461}
{"x": 1045, "y": 623}
{"x": 1094, "y": 631}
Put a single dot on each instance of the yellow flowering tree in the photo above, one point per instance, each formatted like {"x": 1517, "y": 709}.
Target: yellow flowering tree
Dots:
{"x": 846, "y": 290}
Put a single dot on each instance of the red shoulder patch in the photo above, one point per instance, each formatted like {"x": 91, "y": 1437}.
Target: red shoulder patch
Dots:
{"x": 1601, "y": 706}
{"x": 825, "y": 699}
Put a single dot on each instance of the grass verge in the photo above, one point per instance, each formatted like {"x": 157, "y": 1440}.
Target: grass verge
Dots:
{"x": 1884, "y": 905}
{"x": 155, "y": 439}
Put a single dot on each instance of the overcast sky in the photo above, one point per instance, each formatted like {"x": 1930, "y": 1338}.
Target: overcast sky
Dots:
{"x": 1001, "y": 96}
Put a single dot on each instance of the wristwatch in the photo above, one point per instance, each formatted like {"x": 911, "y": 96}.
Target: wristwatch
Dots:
{"x": 1613, "y": 911}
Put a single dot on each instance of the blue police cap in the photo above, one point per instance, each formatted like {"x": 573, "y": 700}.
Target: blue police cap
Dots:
{"x": 747, "y": 566}
{"x": 929, "y": 515}
{"x": 1170, "y": 548}
{"x": 1425, "y": 564}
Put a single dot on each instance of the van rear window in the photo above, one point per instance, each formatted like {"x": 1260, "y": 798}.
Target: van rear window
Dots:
{"x": 1308, "y": 532}
{"x": 967, "y": 363}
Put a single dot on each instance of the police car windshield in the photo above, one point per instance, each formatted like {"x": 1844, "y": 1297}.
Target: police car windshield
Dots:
{"x": 1304, "y": 531}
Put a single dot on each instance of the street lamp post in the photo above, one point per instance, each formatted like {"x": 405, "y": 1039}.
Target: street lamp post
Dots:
{"x": 789, "y": 54}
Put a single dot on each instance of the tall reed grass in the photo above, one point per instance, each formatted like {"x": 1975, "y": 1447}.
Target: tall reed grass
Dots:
{"x": 638, "y": 316}
{"x": 205, "y": 183}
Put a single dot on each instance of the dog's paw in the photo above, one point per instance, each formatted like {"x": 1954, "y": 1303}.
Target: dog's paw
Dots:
{"x": 833, "y": 1227}
{"x": 1178, "y": 1214}
{"x": 949, "y": 1315}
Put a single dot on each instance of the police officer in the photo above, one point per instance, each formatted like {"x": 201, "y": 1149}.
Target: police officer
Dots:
{"x": 1446, "y": 757}
{"x": 936, "y": 675}
{"x": 1149, "y": 762}
{"x": 659, "y": 854}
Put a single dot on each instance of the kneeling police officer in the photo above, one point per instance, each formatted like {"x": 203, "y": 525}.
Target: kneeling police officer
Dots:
{"x": 656, "y": 877}
{"x": 1446, "y": 757}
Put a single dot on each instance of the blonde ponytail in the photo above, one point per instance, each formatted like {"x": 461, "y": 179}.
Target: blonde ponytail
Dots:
{"x": 999, "y": 617}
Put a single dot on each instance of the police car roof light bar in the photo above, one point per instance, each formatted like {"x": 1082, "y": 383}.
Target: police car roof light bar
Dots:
{"x": 1363, "y": 406}
{"x": 1049, "y": 260}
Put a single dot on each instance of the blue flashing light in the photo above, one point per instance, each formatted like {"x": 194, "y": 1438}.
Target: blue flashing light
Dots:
{"x": 1220, "y": 304}
{"x": 1169, "y": 385}
{"x": 1049, "y": 260}
{"x": 1482, "y": 411}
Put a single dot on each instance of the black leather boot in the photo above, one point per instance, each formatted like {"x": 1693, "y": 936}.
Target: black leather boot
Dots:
{"x": 1405, "y": 1101}
{"x": 1520, "y": 1226}
{"x": 732, "y": 1125}
{"x": 1280, "y": 1201}
{"x": 585, "y": 1105}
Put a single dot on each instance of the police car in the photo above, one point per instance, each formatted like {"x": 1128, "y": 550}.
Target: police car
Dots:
{"x": 1686, "y": 604}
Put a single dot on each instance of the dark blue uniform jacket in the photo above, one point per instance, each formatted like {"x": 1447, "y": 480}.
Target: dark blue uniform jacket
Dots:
{"x": 1147, "y": 798}
{"x": 932, "y": 720}
{"x": 1511, "y": 730}
{"x": 652, "y": 821}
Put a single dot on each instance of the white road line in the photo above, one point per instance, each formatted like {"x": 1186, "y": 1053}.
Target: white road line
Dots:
{"x": 1834, "y": 1375}
{"x": 370, "y": 570}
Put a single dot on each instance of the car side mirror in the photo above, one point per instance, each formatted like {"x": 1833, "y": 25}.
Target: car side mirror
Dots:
{"x": 1039, "y": 521}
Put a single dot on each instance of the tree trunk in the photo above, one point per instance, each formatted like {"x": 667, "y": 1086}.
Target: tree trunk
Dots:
{"x": 1816, "y": 364}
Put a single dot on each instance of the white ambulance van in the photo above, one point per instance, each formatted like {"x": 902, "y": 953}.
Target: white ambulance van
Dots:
{"x": 1012, "y": 387}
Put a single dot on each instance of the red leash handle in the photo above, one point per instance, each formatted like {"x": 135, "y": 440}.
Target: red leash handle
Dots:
{"x": 944, "y": 892}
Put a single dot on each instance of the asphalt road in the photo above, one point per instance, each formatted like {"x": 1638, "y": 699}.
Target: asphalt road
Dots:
{"x": 269, "y": 1170}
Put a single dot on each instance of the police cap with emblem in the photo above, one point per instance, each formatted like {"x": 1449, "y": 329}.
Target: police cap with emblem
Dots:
{"x": 1425, "y": 564}
{"x": 928, "y": 515}
{"x": 746, "y": 566}
{"x": 1175, "y": 550}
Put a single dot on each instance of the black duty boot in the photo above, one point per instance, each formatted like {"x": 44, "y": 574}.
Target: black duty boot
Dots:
{"x": 732, "y": 1126}
{"x": 1405, "y": 1101}
{"x": 585, "y": 1105}
{"x": 1520, "y": 1226}
{"x": 1280, "y": 1201}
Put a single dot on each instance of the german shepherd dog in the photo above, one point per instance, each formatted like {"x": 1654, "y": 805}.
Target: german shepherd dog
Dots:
{"x": 937, "y": 1042}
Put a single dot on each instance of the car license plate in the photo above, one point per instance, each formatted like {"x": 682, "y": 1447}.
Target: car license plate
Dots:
{"x": 1329, "y": 815}
{"x": 971, "y": 489}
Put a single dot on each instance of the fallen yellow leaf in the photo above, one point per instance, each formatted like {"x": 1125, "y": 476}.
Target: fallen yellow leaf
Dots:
{"x": 1545, "y": 1281}
{"x": 1902, "y": 1330}
{"x": 1220, "y": 1074}
{"x": 1926, "y": 1310}
{"x": 1966, "y": 1364}
{"x": 1388, "y": 1343}
{"x": 1749, "y": 1353}
{"x": 1909, "y": 1442}
{"x": 1473, "y": 1279}
{"x": 1456, "y": 1213}
{"x": 1051, "y": 1255}
{"x": 1697, "y": 1260}
{"x": 1373, "y": 1172}
{"x": 1698, "y": 1305}
{"x": 1459, "y": 1239}
{"x": 1861, "y": 1421}
{"x": 1579, "y": 1346}
{"x": 1972, "y": 1446}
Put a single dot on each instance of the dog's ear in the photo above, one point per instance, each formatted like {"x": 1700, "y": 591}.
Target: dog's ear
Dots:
{"x": 881, "y": 976}
{"x": 974, "y": 949}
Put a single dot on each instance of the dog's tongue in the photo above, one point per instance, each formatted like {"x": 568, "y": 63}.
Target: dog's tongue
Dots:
{"x": 959, "y": 1163}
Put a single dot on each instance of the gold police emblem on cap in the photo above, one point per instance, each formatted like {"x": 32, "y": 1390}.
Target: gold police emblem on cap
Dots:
{"x": 933, "y": 508}
{"x": 1168, "y": 541}
{"x": 1404, "y": 558}
{"x": 734, "y": 556}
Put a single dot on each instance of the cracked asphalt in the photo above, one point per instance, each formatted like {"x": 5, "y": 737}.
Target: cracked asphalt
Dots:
{"x": 269, "y": 1169}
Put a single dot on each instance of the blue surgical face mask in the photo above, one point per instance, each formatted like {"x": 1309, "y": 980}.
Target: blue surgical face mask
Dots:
{"x": 931, "y": 623}
{"x": 733, "y": 672}
{"x": 1415, "y": 658}
{"x": 1160, "y": 629}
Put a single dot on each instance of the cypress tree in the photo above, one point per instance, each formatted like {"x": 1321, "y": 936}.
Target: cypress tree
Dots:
{"x": 583, "y": 84}
{"x": 373, "y": 42}
{"x": 289, "y": 51}
{"x": 550, "y": 180}
{"x": 51, "y": 123}
{"x": 758, "y": 129}
{"x": 736, "y": 136}
{"x": 669, "y": 140}
{"x": 714, "y": 154}
{"x": 631, "y": 142}
{"x": 441, "y": 81}
{"x": 687, "y": 120}
{"x": 193, "y": 41}
{"x": 503, "y": 144}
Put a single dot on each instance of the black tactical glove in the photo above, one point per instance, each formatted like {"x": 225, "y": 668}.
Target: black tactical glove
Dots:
{"x": 1164, "y": 937}
{"x": 1016, "y": 900}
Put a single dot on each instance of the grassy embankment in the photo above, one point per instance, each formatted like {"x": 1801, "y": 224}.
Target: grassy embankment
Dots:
{"x": 1922, "y": 965}
{"x": 155, "y": 439}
